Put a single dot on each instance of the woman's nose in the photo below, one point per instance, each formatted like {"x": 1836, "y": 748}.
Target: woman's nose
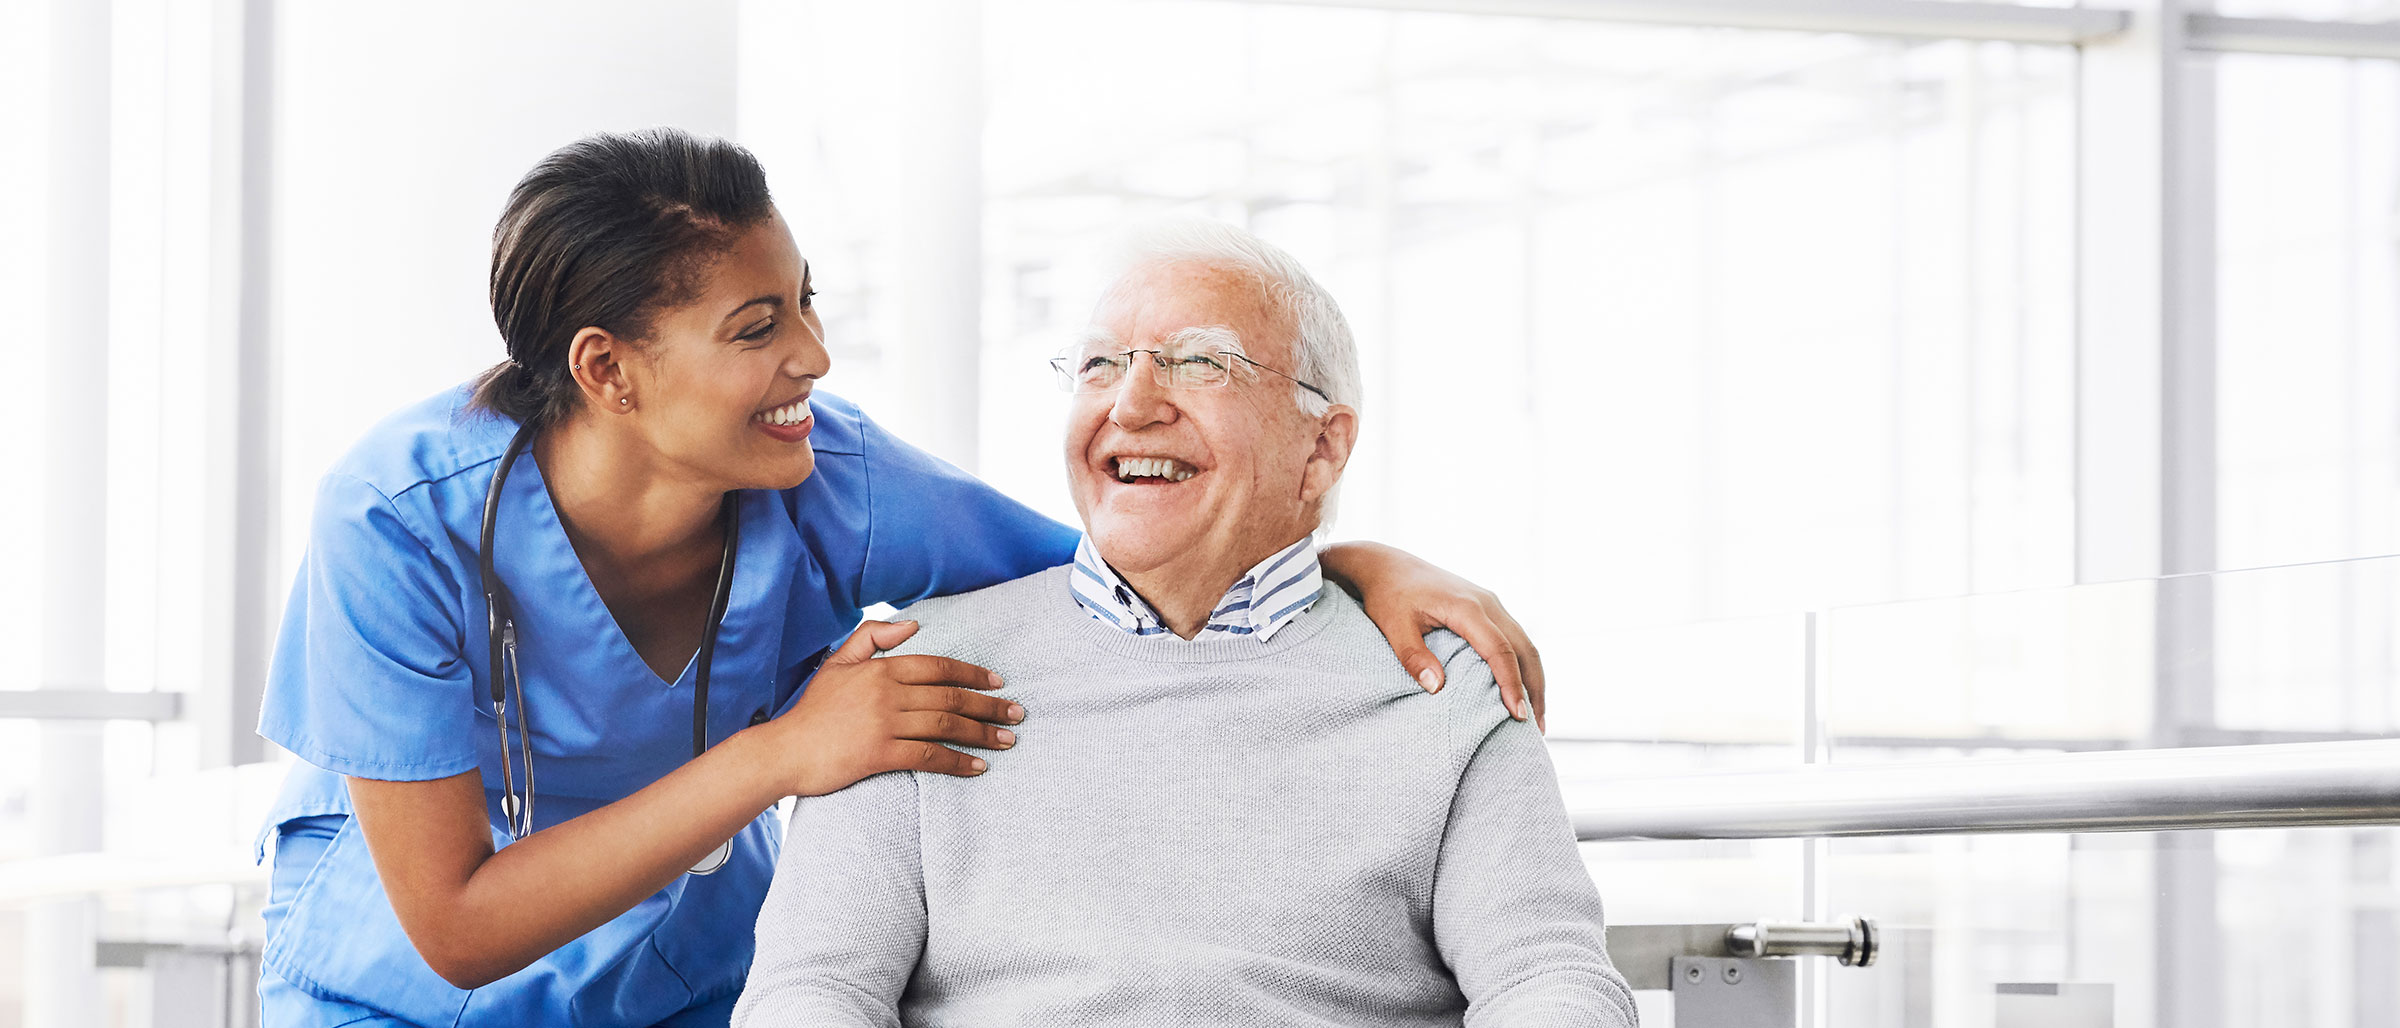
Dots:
{"x": 811, "y": 358}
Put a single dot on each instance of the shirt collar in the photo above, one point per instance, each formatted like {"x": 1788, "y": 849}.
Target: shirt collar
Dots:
{"x": 1262, "y": 601}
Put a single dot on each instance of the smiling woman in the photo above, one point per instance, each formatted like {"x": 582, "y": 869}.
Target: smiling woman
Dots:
{"x": 687, "y": 502}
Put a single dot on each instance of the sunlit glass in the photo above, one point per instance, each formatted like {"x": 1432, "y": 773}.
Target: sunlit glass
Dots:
{"x": 1101, "y": 372}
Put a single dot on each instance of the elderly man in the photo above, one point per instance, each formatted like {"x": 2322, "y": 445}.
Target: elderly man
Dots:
{"x": 1230, "y": 804}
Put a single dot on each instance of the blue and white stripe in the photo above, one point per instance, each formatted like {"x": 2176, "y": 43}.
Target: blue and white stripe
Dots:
{"x": 1260, "y": 603}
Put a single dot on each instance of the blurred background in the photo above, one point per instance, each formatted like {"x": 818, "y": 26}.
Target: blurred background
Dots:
{"x": 1829, "y": 382}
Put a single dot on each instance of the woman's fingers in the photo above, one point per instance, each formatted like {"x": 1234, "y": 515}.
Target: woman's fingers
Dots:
{"x": 1529, "y": 661}
{"x": 1499, "y": 652}
{"x": 939, "y": 726}
{"x": 946, "y": 700}
{"x": 919, "y": 755}
{"x": 1409, "y": 646}
{"x": 926, "y": 669}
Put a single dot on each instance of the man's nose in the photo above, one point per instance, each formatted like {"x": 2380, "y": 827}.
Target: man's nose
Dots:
{"x": 1140, "y": 399}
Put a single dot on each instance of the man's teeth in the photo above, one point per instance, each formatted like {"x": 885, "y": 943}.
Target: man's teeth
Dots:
{"x": 791, "y": 413}
{"x": 1130, "y": 468}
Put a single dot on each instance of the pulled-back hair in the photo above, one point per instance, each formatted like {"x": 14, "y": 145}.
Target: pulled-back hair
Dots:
{"x": 607, "y": 232}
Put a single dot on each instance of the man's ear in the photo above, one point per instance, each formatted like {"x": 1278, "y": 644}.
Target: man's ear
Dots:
{"x": 1337, "y": 434}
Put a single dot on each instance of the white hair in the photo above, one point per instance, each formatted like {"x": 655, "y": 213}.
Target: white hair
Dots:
{"x": 1324, "y": 354}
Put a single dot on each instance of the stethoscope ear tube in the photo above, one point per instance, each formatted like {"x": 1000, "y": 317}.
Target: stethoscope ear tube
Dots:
{"x": 497, "y": 609}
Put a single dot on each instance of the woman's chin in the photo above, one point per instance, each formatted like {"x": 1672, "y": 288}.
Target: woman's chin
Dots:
{"x": 787, "y": 472}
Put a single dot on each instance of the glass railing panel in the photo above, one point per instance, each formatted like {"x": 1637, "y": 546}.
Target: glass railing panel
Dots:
{"x": 2302, "y": 650}
{"x": 2057, "y": 669}
{"x": 2281, "y": 654}
{"x": 2252, "y": 928}
{"x": 1964, "y": 914}
{"x": 2289, "y": 928}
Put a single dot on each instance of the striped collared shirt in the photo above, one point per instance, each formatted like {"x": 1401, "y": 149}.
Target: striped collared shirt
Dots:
{"x": 1260, "y": 602}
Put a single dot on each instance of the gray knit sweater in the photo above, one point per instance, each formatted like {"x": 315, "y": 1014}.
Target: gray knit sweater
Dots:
{"x": 1225, "y": 832}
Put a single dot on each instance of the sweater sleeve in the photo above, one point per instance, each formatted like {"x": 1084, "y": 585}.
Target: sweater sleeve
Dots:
{"x": 1515, "y": 914}
{"x": 844, "y": 922}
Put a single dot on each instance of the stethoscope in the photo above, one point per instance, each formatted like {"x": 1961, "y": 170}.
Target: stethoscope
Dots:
{"x": 519, "y": 809}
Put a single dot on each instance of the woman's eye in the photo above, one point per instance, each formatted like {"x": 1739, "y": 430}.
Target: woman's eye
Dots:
{"x": 808, "y": 298}
{"x": 764, "y": 330}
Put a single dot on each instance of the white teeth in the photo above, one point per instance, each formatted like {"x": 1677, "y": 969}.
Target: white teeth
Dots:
{"x": 791, "y": 413}
{"x": 1130, "y": 468}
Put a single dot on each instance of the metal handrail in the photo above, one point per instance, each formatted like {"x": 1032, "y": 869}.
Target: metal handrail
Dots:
{"x": 89, "y": 705}
{"x": 2274, "y": 786}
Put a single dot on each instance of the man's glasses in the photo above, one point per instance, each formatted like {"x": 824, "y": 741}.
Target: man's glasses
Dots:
{"x": 1102, "y": 372}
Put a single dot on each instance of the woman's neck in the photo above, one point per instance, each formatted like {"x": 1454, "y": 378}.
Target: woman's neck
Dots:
{"x": 618, "y": 500}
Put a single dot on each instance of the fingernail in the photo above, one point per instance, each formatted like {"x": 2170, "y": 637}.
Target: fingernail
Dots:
{"x": 1007, "y": 738}
{"x": 1015, "y": 713}
{"x": 993, "y": 677}
{"x": 978, "y": 764}
{"x": 1430, "y": 679}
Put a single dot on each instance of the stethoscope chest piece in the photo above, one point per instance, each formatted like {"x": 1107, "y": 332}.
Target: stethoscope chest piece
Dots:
{"x": 715, "y": 859}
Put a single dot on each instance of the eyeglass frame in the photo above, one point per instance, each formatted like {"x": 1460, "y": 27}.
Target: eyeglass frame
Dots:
{"x": 1158, "y": 369}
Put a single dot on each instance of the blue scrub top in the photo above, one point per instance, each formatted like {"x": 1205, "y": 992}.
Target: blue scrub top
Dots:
{"x": 380, "y": 671}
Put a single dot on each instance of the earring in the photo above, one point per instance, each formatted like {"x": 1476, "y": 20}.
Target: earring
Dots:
{"x": 577, "y": 367}
{"x": 623, "y": 400}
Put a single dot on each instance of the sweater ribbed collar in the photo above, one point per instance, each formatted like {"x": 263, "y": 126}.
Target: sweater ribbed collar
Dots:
{"x": 1207, "y": 648}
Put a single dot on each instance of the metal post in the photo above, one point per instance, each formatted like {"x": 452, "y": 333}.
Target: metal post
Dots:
{"x": 2145, "y": 432}
{"x": 240, "y": 505}
{"x": 62, "y": 985}
{"x": 1815, "y": 748}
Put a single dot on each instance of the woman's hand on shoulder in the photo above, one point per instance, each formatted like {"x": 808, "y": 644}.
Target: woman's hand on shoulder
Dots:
{"x": 864, "y": 715}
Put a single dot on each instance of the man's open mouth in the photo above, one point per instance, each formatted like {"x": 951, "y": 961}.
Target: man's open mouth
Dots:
{"x": 1152, "y": 469}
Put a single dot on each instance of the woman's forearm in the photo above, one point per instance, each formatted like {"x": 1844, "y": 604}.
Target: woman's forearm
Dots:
{"x": 1344, "y": 562}
{"x": 477, "y": 916}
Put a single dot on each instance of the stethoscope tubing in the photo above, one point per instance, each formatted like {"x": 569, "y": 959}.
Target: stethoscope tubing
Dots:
{"x": 500, "y": 616}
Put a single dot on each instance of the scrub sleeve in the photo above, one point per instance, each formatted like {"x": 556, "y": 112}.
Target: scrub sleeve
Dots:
{"x": 934, "y": 530}
{"x": 374, "y": 622}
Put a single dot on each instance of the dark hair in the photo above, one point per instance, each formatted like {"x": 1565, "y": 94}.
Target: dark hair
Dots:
{"x": 606, "y": 232}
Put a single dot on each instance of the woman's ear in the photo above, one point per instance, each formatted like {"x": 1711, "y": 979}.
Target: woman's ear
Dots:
{"x": 1337, "y": 434}
{"x": 596, "y": 358}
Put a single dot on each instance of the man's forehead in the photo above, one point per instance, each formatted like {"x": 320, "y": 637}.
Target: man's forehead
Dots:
{"x": 1152, "y": 302}
{"x": 1173, "y": 339}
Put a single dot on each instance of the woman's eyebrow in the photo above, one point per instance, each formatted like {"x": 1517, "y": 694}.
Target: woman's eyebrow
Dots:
{"x": 771, "y": 300}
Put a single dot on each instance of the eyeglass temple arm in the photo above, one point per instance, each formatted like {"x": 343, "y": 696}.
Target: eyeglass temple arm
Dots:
{"x": 1246, "y": 360}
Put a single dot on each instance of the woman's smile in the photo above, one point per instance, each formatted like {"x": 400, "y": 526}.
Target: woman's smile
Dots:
{"x": 789, "y": 423}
